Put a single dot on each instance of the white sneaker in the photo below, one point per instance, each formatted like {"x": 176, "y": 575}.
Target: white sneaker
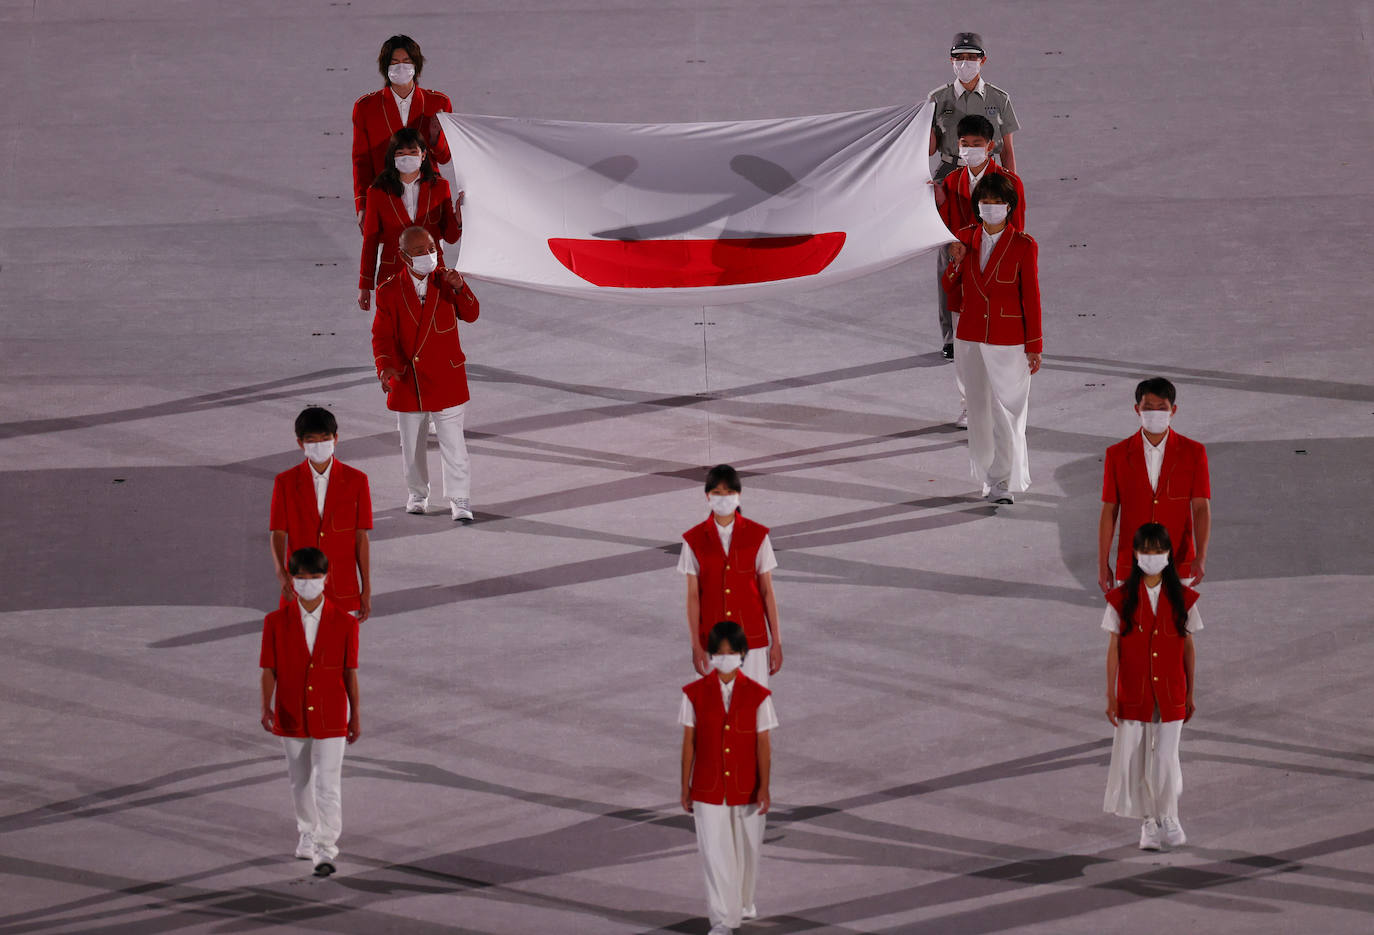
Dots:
{"x": 962, "y": 421}
{"x": 749, "y": 913}
{"x": 461, "y": 513}
{"x": 1000, "y": 494}
{"x": 1173, "y": 832}
{"x": 305, "y": 848}
{"x": 416, "y": 504}
{"x": 1149, "y": 835}
{"x": 324, "y": 866}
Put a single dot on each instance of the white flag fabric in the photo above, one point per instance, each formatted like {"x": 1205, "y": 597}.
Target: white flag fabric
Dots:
{"x": 692, "y": 213}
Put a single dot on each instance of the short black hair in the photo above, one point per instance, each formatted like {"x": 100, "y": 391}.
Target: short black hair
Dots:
{"x": 316, "y": 420}
{"x": 975, "y": 125}
{"x": 1155, "y": 386}
{"x": 390, "y": 46}
{"x": 727, "y": 631}
{"x": 723, "y": 474}
{"x": 309, "y": 560}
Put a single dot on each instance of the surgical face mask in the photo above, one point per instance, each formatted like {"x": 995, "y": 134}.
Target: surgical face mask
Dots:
{"x": 993, "y": 214}
{"x": 1155, "y": 421}
{"x": 723, "y": 506}
{"x": 725, "y": 664}
{"x": 319, "y": 452}
{"x": 401, "y": 73}
{"x": 307, "y": 589}
{"x": 425, "y": 263}
{"x": 973, "y": 155}
{"x": 1152, "y": 564}
{"x": 408, "y": 164}
{"x": 967, "y": 71}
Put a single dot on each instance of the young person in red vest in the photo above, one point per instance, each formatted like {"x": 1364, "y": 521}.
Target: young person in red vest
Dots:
{"x": 400, "y": 103}
{"x": 422, "y": 368}
{"x": 726, "y": 720}
{"x": 993, "y": 284}
{"x": 309, "y": 666}
{"x": 1150, "y": 663}
{"x": 728, "y": 561}
{"x": 325, "y": 504}
{"x": 1155, "y": 476}
{"x": 408, "y": 193}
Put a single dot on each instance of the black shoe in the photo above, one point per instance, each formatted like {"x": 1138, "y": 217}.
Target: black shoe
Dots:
{"x": 324, "y": 867}
{"x": 947, "y": 352}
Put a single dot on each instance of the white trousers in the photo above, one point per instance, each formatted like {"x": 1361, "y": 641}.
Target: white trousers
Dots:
{"x": 996, "y": 380}
{"x": 315, "y": 767}
{"x": 1144, "y": 779}
{"x": 958, "y": 380}
{"x": 730, "y": 838}
{"x": 756, "y": 665}
{"x": 453, "y": 451}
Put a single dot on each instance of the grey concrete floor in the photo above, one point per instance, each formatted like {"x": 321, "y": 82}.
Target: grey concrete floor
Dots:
{"x": 177, "y": 264}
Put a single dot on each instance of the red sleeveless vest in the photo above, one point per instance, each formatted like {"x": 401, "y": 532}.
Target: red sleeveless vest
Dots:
{"x": 728, "y": 584}
{"x": 1150, "y": 673}
{"x": 726, "y": 768}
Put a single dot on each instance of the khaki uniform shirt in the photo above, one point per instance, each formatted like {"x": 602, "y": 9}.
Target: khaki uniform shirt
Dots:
{"x": 986, "y": 99}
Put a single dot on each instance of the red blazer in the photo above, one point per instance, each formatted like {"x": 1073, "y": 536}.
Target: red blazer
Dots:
{"x": 376, "y": 117}
{"x": 421, "y": 342}
{"x": 1150, "y": 670}
{"x": 384, "y": 219}
{"x": 347, "y": 508}
{"x": 1182, "y": 477}
{"x": 957, "y": 211}
{"x": 311, "y": 699}
{"x": 1000, "y": 303}
{"x": 725, "y": 768}
{"x": 728, "y": 584}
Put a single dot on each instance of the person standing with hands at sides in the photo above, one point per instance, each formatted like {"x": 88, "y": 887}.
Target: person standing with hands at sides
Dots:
{"x": 325, "y": 504}
{"x": 309, "y": 664}
{"x": 728, "y": 562}
{"x": 993, "y": 282}
{"x": 1150, "y": 679}
{"x": 399, "y": 104}
{"x": 422, "y": 367}
{"x": 408, "y": 193}
{"x": 727, "y": 720}
{"x": 968, "y": 94}
{"x": 1155, "y": 476}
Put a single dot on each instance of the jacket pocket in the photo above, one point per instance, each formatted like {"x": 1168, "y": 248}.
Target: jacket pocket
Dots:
{"x": 1180, "y": 485}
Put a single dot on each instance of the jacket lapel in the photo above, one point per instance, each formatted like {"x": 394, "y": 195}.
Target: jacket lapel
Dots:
{"x": 422, "y": 202}
{"x": 998, "y": 251}
{"x": 331, "y": 493}
{"x": 412, "y": 297}
{"x": 391, "y": 112}
{"x": 1170, "y": 460}
{"x": 293, "y": 613}
{"x": 1135, "y": 462}
{"x": 305, "y": 484}
{"x": 426, "y": 321}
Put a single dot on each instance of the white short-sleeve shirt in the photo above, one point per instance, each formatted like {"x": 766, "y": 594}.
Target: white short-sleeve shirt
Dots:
{"x": 1111, "y": 620}
{"x": 764, "y": 561}
{"x": 767, "y": 716}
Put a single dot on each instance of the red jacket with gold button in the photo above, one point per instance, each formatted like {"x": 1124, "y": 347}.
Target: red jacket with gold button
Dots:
{"x": 1150, "y": 671}
{"x": 347, "y": 508}
{"x": 420, "y": 342}
{"x": 998, "y": 303}
{"x": 386, "y": 217}
{"x": 1182, "y": 477}
{"x": 728, "y": 584}
{"x": 311, "y": 699}
{"x": 376, "y": 117}
{"x": 725, "y": 768}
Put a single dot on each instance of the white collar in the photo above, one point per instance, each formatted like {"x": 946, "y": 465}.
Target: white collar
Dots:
{"x": 1146, "y": 439}
{"x": 319, "y": 475}
{"x": 309, "y": 614}
{"x": 960, "y": 90}
{"x": 411, "y": 96}
{"x": 975, "y": 179}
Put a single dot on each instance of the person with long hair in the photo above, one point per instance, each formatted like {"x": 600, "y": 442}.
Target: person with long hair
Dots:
{"x": 1150, "y": 676}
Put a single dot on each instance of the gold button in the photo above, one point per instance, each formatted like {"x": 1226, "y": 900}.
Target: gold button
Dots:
{"x": 311, "y": 708}
{"x": 727, "y": 590}
{"x": 727, "y": 726}
{"x": 729, "y": 613}
{"x": 310, "y": 688}
{"x": 727, "y": 772}
{"x": 727, "y": 749}
{"x": 1154, "y": 654}
{"x": 1155, "y": 501}
{"x": 1156, "y": 678}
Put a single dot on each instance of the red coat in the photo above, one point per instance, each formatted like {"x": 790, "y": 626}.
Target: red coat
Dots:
{"x": 728, "y": 584}
{"x": 347, "y": 509}
{"x": 421, "y": 342}
{"x": 725, "y": 769}
{"x": 376, "y": 118}
{"x": 1150, "y": 670}
{"x": 384, "y": 219}
{"x": 957, "y": 211}
{"x": 1182, "y": 477}
{"x": 1000, "y": 303}
{"x": 311, "y": 699}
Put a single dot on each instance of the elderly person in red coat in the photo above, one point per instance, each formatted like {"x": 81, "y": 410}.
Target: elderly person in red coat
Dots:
{"x": 422, "y": 368}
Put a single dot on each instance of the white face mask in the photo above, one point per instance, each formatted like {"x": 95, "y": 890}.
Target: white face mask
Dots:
{"x": 425, "y": 263}
{"x": 319, "y": 452}
{"x": 993, "y": 214}
{"x": 408, "y": 164}
{"x": 307, "y": 589}
{"x": 1152, "y": 564}
{"x": 402, "y": 73}
{"x": 725, "y": 664}
{"x": 723, "y": 506}
{"x": 966, "y": 71}
{"x": 972, "y": 156}
{"x": 1155, "y": 421}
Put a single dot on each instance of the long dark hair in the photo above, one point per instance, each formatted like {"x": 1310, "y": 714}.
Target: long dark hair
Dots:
{"x": 389, "y": 180}
{"x": 1155, "y": 538}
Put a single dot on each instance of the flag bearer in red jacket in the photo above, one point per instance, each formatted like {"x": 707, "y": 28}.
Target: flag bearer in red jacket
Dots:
{"x": 726, "y": 720}
{"x": 1152, "y": 619}
{"x": 310, "y": 700}
{"x": 728, "y": 561}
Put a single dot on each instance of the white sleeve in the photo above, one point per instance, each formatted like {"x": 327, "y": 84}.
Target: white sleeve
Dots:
{"x": 768, "y": 718}
{"x": 1111, "y": 620}
{"x": 1194, "y": 621}
{"x": 765, "y": 561}
{"x": 686, "y": 714}
{"x": 687, "y": 560}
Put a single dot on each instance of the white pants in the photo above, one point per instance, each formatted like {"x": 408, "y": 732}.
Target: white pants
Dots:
{"x": 756, "y": 665}
{"x": 729, "y": 837}
{"x": 315, "y": 767}
{"x": 453, "y": 451}
{"x": 996, "y": 380}
{"x": 1144, "y": 779}
{"x": 958, "y": 380}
